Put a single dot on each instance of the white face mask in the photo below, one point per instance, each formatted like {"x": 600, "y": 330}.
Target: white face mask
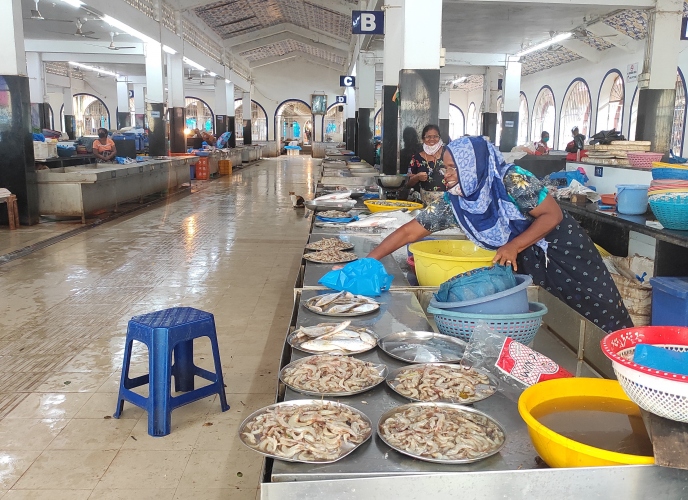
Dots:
{"x": 432, "y": 150}
{"x": 455, "y": 190}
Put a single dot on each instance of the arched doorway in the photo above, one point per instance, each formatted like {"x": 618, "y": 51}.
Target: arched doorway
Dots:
{"x": 292, "y": 119}
{"x": 500, "y": 108}
{"x": 610, "y": 102}
{"x": 378, "y": 123}
{"x": 576, "y": 111}
{"x": 90, "y": 114}
{"x": 544, "y": 114}
{"x": 472, "y": 128}
{"x": 199, "y": 115}
{"x": 259, "y": 120}
{"x": 332, "y": 129}
{"x": 523, "y": 119}
{"x": 457, "y": 122}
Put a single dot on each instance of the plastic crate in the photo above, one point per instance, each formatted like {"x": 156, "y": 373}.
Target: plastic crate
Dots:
{"x": 202, "y": 169}
{"x": 669, "y": 301}
{"x": 44, "y": 150}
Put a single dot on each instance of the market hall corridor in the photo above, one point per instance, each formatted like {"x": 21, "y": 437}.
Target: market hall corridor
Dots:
{"x": 233, "y": 249}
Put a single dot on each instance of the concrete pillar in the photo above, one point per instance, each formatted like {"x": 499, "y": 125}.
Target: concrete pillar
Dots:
{"x": 176, "y": 102}
{"x": 350, "y": 115}
{"x": 419, "y": 78}
{"x": 394, "y": 36}
{"x": 155, "y": 100}
{"x": 40, "y": 117}
{"x": 511, "y": 96}
{"x": 657, "y": 83}
{"x": 17, "y": 167}
{"x": 246, "y": 118}
{"x": 123, "y": 114}
{"x": 443, "y": 122}
{"x": 231, "y": 117}
{"x": 490, "y": 109}
{"x": 139, "y": 105}
{"x": 224, "y": 102}
{"x": 365, "y": 102}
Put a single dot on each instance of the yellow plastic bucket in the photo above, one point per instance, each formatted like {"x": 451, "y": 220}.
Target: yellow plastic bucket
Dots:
{"x": 439, "y": 260}
{"x": 559, "y": 451}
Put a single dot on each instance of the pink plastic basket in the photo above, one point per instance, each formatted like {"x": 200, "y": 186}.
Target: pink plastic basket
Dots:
{"x": 643, "y": 160}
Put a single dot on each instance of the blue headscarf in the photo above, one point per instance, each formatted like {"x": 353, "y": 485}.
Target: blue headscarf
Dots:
{"x": 485, "y": 212}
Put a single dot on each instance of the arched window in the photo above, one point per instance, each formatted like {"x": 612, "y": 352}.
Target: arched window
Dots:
{"x": 90, "y": 114}
{"x": 472, "y": 128}
{"x": 610, "y": 103}
{"x": 500, "y": 108}
{"x": 51, "y": 116}
{"x": 199, "y": 115}
{"x": 523, "y": 119}
{"x": 544, "y": 113}
{"x": 633, "y": 120}
{"x": 575, "y": 112}
{"x": 293, "y": 120}
{"x": 457, "y": 122}
{"x": 259, "y": 120}
{"x": 333, "y": 124}
{"x": 678, "y": 127}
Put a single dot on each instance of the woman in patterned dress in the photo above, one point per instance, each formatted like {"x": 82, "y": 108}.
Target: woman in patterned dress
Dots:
{"x": 505, "y": 208}
{"x": 427, "y": 168}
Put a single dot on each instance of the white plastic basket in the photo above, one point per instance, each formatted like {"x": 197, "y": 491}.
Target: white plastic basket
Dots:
{"x": 44, "y": 150}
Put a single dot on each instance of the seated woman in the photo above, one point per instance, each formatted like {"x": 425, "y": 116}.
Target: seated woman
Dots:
{"x": 104, "y": 148}
{"x": 541, "y": 147}
{"x": 505, "y": 208}
{"x": 427, "y": 168}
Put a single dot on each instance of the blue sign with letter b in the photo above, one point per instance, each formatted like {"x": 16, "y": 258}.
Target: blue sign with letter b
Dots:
{"x": 367, "y": 22}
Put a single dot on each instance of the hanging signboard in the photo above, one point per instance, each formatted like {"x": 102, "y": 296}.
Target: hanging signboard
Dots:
{"x": 368, "y": 22}
{"x": 131, "y": 93}
{"x": 340, "y": 99}
{"x": 347, "y": 81}
{"x": 632, "y": 72}
{"x": 684, "y": 29}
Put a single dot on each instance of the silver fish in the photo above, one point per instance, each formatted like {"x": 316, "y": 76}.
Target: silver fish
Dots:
{"x": 327, "y": 298}
{"x": 322, "y": 329}
{"x": 350, "y": 345}
{"x": 367, "y": 307}
{"x": 342, "y": 308}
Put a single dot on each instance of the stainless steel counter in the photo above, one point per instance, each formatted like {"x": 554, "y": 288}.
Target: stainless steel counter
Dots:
{"x": 363, "y": 244}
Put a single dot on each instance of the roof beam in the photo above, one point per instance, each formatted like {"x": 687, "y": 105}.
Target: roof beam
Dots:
{"x": 319, "y": 62}
{"x": 266, "y": 61}
{"x": 280, "y": 28}
{"x": 338, "y": 6}
{"x": 79, "y": 47}
{"x": 474, "y": 59}
{"x": 462, "y": 70}
{"x": 618, "y": 4}
{"x": 582, "y": 49}
{"x": 297, "y": 55}
{"x": 615, "y": 37}
{"x": 262, "y": 42}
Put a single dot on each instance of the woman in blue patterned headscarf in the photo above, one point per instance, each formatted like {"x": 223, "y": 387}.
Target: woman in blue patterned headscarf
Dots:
{"x": 505, "y": 208}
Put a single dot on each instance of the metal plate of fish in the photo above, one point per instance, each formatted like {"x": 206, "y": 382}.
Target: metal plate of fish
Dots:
{"x": 291, "y": 413}
{"x": 338, "y": 339}
{"x": 344, "y": 370}
{"x": 423, "y": 347}
{"x": 462, "y": 385}
{"x": 481, "y": 435}
{"x": 327, "y": 243}
{"x": 330, "y": 256}
{"x": 335, "y": 214}
{"x": 341, "y": 304}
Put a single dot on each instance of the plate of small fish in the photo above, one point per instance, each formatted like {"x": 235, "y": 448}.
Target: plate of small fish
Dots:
{"x": 442, "y": 382}
{"x": 423, "y": 347}
{"x": 328, "y": 375}
{"x": 333, "y": 338}
{"x": 306, "y": 431}
{"x": 327, "y": 243}
{"x": 341, "y": 304}
{"x": 330, "y": 256}
{"x": 441, "y": 432}
{"x": 335, "y": 214}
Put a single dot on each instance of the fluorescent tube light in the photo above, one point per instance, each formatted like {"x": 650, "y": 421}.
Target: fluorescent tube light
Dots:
{"x": 212, "y": 74}
{"x": 169, "y": 50}
{"x": 127, "y": 29}
{"x": 73, "y": 3}
{"x": 192, "y": 63}
{"x": 227, "y": 81}
{"x": 555, "y": 39}
{"x": 93, "y": 68}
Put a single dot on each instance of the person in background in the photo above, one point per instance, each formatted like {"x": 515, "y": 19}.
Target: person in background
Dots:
{"x": 104, "y": 148}
{"x": 541, "y": 147}
{"x": 378, "y": 147}
{"x": 578, "y": 142}
{"x": 426, "y": 168}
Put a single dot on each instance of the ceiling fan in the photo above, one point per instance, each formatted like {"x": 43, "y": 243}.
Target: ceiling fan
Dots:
{"x": 36, "y": 15}
{"x": 112, "y": 43}
{"x": 581, "y": 33}
{"x": 83, "y": 34}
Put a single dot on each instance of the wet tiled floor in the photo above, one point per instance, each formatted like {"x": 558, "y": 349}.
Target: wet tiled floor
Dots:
{"x": 232, "y": 249}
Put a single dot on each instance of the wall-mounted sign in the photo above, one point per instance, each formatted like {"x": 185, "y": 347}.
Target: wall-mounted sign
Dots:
{"x": 340, "y": 99}
{"x": 155, "y": 114}
{"x": 632, "y": 72}
{"x": 131, "y": 93}
{"x": 318, "y": 104}
{"x": 508, "y": 124}
{"x": 368, "y": 22}
{"x": 684, "y": 29}
{"x": 347, "y": 81}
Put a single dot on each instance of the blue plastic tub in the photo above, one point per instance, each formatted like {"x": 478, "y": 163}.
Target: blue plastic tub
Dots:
{"x": 631, "y": 199}
{"x": 511, "y": 301}
{"x": 669, "y": 301}
{"x": 192, "y": 171}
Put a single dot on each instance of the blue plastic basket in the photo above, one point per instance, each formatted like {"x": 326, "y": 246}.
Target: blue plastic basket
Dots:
{"x": 521, "y": 327}
{"x": 511, "y": 301}
{"x": 671, "y": 210}
{"x": 670, "y": 173}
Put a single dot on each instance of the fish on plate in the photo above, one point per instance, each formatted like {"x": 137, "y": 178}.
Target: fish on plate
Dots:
{"x": 342, "y": 303}
{"x": 333, "y": 338}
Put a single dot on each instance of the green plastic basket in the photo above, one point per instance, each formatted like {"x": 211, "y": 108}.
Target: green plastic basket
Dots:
{"x": 521, "y": 327}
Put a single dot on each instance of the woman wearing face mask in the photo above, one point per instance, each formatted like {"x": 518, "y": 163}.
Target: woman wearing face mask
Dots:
{"x": 104, "y": 148}
{"x": 505, "y": 208}
{"x": 427, "y": 167}
{"x": 541, "y": 147}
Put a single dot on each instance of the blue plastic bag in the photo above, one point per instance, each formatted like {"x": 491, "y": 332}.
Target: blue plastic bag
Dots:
{"x": 341, "y": 220}
{"x": 476, "y": 284}
{"x": 360, "y": 277}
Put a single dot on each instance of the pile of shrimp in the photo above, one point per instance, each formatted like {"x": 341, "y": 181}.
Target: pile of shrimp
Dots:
{"x": 309, "y": 433}
{"x": 432, "y": 382}
{"x": 442, "y": 433}
{"x": 327, "y": 374}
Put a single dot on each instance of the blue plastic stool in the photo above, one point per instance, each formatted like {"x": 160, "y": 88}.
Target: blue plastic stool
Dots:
{"x": 166, "y": 332}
